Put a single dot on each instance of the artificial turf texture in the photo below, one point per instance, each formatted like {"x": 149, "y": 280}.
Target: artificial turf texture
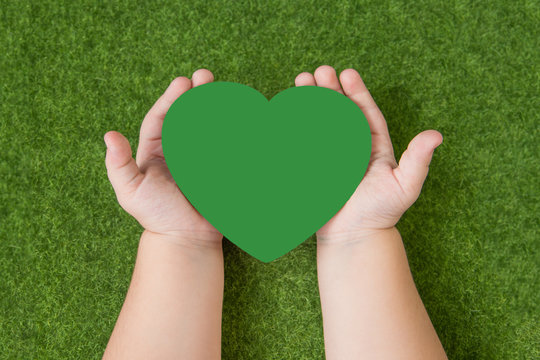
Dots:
{"x": 72, "y": 70}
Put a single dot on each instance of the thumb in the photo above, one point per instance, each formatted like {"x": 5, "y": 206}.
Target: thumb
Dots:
{"x": 122, "y": 170}
{"x": 414, "y": 163}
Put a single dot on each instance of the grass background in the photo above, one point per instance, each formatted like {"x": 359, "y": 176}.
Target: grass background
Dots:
{"x": 72, "y": 70}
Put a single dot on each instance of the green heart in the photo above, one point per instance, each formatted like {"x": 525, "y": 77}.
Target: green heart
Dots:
{"x": 266, "y": 174}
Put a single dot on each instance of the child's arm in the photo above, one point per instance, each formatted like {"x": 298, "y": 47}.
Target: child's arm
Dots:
{"x": 371, "y": 308}
{"x": 173, "y": 306}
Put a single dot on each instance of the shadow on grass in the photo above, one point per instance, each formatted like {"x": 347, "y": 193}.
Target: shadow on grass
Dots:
{"x": 271, "y": 310}
{"x": 427, "y": 228}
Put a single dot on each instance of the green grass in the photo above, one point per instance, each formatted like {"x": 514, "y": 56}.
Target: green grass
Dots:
{"x": 71, "y": 70}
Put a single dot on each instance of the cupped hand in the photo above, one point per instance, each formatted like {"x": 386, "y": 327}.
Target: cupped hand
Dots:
{"x": 144, "y": 187}
{"x": 388, "y": 189}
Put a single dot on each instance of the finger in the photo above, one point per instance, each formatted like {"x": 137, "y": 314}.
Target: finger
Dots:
{"x": 202, "y": 76}
{"x": 150, "y": 133}
{"x": 325, "y": 76}
{"x": 356, "y": 90}
{"x": 414, "y": 163}
{"x": 122, "y": 170}
{"x": 305, "y": 79}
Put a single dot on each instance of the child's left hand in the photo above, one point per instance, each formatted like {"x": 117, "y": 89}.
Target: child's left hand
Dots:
{"x": 144, "y": 187}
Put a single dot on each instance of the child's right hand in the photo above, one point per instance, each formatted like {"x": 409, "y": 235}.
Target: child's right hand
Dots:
{"x": 145, "y": 187}
{"x": 387, "y": 190}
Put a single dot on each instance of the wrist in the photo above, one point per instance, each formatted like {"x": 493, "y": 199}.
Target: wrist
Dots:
{"x": 382, "y": 246}
{"x": 354, "y": 237}
{"x": 199, "y": 241}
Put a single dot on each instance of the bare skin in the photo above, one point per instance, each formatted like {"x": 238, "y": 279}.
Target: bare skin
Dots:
{"x": 174, "y": 303}
{"x": 371, "y": 308}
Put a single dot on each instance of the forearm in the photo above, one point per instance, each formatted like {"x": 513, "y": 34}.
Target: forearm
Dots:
{"x": 173, "y": 306}
{"x": 370, "y": 305}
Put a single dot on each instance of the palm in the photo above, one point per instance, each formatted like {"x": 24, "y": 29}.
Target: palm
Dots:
{"x": 387, "y": 190}
{"x": 149, "y": 193}
{"x": 376, "y": 203}
{"x": 162, "y": 206}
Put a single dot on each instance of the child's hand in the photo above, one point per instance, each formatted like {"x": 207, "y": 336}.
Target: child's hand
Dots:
{"x": 145, "y": 187}
{"x": 387, "y": 190}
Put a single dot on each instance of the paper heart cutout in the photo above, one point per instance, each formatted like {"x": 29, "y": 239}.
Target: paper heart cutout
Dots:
{"x": 266, "y": 174}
